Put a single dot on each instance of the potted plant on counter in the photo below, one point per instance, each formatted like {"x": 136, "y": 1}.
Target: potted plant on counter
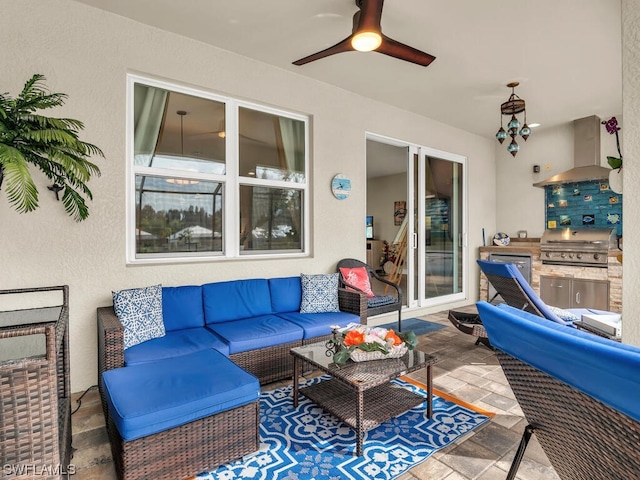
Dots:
{"x": 28, "y": 138}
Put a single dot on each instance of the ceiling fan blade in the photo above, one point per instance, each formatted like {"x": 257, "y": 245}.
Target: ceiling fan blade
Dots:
{"x": 340, "y": 47}
{"x": 395, "y": 49}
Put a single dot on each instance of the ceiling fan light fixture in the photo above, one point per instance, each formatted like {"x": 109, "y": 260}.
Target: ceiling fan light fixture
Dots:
{"x": 366, "y": 41}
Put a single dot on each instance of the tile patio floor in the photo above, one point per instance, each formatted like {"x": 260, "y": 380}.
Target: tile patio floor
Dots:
{"x": 465, "y": 370}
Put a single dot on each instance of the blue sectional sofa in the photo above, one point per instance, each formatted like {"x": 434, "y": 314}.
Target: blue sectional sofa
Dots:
{"x": 221, "y": 341}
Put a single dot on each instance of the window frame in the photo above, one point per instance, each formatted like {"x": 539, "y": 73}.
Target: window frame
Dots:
{"x": 231, "y": 180}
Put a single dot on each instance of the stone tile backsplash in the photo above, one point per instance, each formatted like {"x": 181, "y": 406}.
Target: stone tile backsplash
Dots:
{"x": 583, "y": 205}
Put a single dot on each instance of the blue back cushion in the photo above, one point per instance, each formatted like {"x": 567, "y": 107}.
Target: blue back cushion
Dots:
{"x": 182, "y": 307}
{"x": 226, "y": 301}
{"x": 509, "y": 270}
{"x": 286, "y": 294}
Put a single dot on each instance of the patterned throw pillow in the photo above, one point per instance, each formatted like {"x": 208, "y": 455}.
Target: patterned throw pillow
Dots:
{"x": 140, "y": 312}
{"x": 319, "y": 293}
{"x": 357, "y": 277}
{"x": 563, "y": 314}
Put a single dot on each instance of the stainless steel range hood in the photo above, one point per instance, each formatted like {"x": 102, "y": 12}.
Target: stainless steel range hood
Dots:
{"x": 586, "y": 155}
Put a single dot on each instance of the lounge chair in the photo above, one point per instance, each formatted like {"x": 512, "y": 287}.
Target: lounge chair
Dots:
{"x": 377, "y": 304}
{"x": 516, "y": 292}
{"x": 579, "y": 393}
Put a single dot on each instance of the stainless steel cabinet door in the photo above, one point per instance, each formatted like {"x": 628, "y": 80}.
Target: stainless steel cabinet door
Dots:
{"x": 556, "y": 291}
{"x": 565, "y": 292}
{"x": 590, "y": 294}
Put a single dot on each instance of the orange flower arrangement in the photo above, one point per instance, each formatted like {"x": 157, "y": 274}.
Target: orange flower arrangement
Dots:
{"x": 369, "y": 339}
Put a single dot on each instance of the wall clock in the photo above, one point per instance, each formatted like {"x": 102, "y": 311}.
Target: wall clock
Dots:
{"x": 341, "y": 186}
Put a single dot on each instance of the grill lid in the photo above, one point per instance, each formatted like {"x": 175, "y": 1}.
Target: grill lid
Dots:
{"x": 595, "y": 239}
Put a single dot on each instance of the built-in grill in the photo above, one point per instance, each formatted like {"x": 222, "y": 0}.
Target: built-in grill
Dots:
{"x": 588, "y": 247}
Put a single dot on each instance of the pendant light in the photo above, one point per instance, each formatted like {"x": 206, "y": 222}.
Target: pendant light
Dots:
{"x": 513, "y": 106}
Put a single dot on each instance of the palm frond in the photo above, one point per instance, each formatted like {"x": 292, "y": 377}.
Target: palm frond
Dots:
{"x": 74, "y": 204}
{"x": 50, "y": 135}
{"x": 50, "y": 144}
{"x": 21, "y": 191}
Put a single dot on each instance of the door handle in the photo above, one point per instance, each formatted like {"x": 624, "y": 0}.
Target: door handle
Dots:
{"x": 578, "y": 298}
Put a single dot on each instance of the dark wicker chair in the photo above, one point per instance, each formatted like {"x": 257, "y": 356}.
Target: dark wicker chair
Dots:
{"x": 378, "y": 304}
{"x": 578, "y": 393}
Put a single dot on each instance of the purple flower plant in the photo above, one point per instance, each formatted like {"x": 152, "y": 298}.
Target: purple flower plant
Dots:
{"x": 612, "y": 128}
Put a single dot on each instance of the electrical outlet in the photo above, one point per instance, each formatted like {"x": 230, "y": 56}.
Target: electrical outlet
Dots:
{"x": 547, "y": 167}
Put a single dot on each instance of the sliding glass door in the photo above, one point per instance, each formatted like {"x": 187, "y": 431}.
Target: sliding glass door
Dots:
{"x": 427, "y": 233}
{"x": 440, "y": 200}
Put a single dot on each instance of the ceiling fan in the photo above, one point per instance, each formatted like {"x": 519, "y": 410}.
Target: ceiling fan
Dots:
{"x": 367, "y": 36}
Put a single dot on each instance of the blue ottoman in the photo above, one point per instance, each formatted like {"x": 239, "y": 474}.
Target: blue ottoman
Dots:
{"x": 176, "y": 417}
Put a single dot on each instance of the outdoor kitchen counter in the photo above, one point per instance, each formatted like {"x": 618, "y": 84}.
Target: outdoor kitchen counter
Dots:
{"x": 516, "y": 245}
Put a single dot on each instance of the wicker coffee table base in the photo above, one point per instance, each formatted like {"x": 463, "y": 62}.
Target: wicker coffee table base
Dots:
{"x": 371, "y": 408}
{"x": 363, "y": 406}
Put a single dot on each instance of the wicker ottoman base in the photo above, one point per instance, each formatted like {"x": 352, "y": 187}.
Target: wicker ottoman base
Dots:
{"x": 187, "y": 450}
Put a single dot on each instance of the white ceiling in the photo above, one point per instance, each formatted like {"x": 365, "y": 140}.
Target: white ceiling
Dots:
{"x": 566, "y": 54}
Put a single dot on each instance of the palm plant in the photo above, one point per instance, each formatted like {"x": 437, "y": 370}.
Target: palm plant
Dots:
{"x": 51, "y": 144}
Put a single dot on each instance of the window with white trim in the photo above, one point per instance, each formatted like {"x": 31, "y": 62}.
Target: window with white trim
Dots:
{"x": 212, "y": 176}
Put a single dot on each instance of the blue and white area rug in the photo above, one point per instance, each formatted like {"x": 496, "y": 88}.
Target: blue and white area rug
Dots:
{"x": 307, "y": 443}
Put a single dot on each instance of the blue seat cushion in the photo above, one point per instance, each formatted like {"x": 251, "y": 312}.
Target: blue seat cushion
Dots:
{"x": 153, "y": 397}
{"x": 604, "y": 369}
{"x": 319, "y": 324}
{"x": 175, "y": 344}
{"x": 235, "y": 300}
{"x": 381, "y": 300}
{"x": 256, "y": 332}
{"x": 182, "y": 307}
{"x": 286, "y": 294}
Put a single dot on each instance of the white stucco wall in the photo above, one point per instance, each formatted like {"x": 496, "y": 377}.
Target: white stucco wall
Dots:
{"x": 87, "y": 53}
{"x": 631, "y": 152}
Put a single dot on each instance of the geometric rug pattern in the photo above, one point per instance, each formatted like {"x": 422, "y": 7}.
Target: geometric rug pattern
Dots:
{"x": 308, "y": 443}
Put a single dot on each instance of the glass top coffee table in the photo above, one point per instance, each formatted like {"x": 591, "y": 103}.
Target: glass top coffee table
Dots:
{"x": 361, "y": 393}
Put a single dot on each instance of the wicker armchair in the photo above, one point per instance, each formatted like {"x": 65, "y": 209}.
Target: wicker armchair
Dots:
{"x": 579, "y": 393}
{"x": 377, "y": 304}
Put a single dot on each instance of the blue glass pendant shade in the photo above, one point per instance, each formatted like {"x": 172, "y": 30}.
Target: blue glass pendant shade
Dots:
{"x": 525, "y": 132}
{"x": 513, "y": 148}
{"x": 501, "y": 135}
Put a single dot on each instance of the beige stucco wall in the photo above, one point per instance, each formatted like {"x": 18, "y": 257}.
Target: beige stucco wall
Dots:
{"x": 631, "y": 152}
{"x": 87, "y": 53}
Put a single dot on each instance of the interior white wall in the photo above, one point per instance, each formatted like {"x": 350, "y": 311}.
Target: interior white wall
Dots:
{"x": 382, "y": 192}
{"x": 87, "y": 53}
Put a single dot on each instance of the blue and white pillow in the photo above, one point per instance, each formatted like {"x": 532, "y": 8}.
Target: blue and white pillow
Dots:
{"x": 563, "y": 314}
{"x": 140, "y": 312}
{"x": 319, "y": 293}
